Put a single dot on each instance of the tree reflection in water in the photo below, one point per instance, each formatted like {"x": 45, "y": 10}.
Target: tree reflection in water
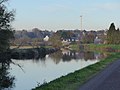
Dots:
{"x": 56, "y": 56}
{"x": 67, "y": 56}
{"x": 6, "y": 80}
{"x": 76, "y": 55}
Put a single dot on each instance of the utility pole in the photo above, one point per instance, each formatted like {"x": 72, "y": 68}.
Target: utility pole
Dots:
{"x": 81, "y": 21}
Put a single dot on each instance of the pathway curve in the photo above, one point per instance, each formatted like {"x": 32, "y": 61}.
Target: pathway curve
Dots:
{"x": 108, "y": 79}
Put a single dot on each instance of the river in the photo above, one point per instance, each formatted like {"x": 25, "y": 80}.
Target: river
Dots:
{"x": 30, "y": 73}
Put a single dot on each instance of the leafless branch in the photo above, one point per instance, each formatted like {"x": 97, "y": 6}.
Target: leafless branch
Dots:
{"x": 1, "y": 1}
{"x": 18, "y": 66}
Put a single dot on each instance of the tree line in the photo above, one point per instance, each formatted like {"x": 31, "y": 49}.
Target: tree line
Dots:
{"x": 113, "y": 35}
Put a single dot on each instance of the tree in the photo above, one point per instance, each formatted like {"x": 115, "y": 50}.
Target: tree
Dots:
{"x": 110, "y": 34}
{"x": 56, "y": 41}
{"x": 6, "y": 31}
{"x": 6, "y": 80}
{"x": 113, "y": 35}
{"x": 117, "y": 36}
{"x": 88, "y": 38}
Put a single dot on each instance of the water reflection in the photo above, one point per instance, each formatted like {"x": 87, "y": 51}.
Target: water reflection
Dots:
{"x": 47, "y": 68}
{"x": 67, "y": 56}
{"x": 6, "y": 80}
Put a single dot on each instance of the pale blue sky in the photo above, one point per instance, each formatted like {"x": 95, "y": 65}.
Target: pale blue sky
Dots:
{"x": 65, "y": 14}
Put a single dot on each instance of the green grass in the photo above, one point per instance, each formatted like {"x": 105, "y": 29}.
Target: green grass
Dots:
{"x": 29, "y": 47}
{"x": 102, "y": 48}
{"x": 96, "y": 47}
{"x": 22, "y": 47}
{"x": 74, "y": 80}
{"x": 74, "y": 47}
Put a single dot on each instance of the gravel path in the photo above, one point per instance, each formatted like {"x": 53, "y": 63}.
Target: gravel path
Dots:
{"x": 108, "y": 79}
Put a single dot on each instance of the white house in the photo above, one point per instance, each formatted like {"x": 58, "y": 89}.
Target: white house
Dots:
{"x": 46, "y": 38}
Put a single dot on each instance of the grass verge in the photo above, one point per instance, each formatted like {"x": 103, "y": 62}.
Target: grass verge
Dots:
{"x": 97, "y": 47}
{"x": 73, "y": 80}
{"x": 103, "y": 47}
{"x": 29, "y": 47}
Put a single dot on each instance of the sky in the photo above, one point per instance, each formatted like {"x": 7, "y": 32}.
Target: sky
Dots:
{"x": 65, "y": 14}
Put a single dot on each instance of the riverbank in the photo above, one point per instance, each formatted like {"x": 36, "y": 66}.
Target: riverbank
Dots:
{"x": 102, "y": 47}
{"x": 73, "y": 81}
{"x": 96, "y": 47}
{"x": 26, "y": 53}
{"x": 31, "y": 53}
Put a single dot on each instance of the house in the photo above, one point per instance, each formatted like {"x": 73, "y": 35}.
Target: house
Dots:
{"x": 46, "y": 38}
{"x": 65, "y": 42}
{"x": 97, "y": 41}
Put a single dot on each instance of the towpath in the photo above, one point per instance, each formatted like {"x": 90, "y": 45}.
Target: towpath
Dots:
{"x": 108, "y": 79}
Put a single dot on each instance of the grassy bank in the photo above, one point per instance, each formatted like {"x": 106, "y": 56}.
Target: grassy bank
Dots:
{"x": 29, "y": 47}
{"x": 74, "y": 47}
{"x": 22, "y": 47}
{"x": 73, "y": 80}
{"x": 97, "y": 47}
{"x": 103, "y": 47}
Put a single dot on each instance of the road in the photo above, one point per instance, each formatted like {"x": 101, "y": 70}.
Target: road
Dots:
{"x": 108, "y": 79}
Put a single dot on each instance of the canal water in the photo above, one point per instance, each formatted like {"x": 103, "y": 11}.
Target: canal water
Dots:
{"x": 30, "y": 73}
